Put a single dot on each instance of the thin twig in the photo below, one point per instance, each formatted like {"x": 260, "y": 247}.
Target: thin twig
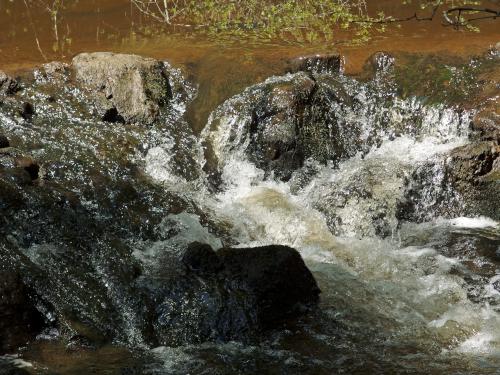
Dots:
{"x": 34, "y": 31}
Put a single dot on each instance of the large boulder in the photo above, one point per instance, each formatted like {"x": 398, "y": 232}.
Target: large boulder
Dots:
{"x": 268, "y": 120}
{"x": 231, "y": 294}
{"x": 275, "y": 277}
{"x": 128, "y": 88}
{"x": 318, "y": 114}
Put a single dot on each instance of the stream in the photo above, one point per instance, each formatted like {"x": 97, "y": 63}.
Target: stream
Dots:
{"x": 382, "y": 177}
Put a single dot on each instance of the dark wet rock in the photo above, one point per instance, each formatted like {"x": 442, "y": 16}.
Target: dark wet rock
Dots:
{"x": 112, "y": 115}
{"x": 466, "y": 182}
{"x": 134, "y": 87}
{"x": 4, "y": 142}
{"x": 275, "y": 276}
{"x": 29, "y": 165}
{"x": 8, "y": 85}
{"x": 27, "y": 111}
{"x": 19, "y": 319}
{"x": 273, "y": 123}
{"x": 320, "y": 63}
{"x": 17, "y": 176}
{"x": 231, "y": 294}
{"x": 201, "y": 258}
{"x": 17, "y": 168}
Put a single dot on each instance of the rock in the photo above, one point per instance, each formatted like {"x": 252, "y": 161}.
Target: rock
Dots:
{"x": 275, "y": 276}
{"x": 201, "y": 258}
{"x": 320, "y": 63}
{"x": 127, "y": 87}
{"x": 8, "y": 85}
{"x": 466, "y": 182}
{"x": 19, "y": 320}
{"x": 270, "y": 119}
{"x": 55, "y": 69}
{"x": 27, "y": 111}
{"x": 4, "y": 142}
{"x": 29, "y": 165}
{"x": 487, "y": 123}
{"x": 17, "y": 176}
{"x": 378, "y": 64}
{"x": 231, "y": 294}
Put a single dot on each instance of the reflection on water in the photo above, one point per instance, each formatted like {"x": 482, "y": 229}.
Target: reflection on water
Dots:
{"x": 33, "y": 31}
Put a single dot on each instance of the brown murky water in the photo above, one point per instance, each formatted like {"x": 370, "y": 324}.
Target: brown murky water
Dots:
{"x": 30, "y": 36}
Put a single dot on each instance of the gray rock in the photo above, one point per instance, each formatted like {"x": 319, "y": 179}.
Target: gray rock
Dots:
{"x": 128, "y": 88}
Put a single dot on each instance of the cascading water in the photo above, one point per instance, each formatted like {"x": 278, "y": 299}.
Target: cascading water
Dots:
{"x": 398, "y": 297}
{"x": 317, "y": 161}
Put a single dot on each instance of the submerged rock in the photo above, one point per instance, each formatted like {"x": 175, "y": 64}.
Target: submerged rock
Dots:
{"x": 320, "y": 63}
{"x": 128, "y": 88}
{"x": 9, "y": 367}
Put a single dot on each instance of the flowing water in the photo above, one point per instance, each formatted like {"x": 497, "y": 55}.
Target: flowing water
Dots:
{"x": 398, "y": 297}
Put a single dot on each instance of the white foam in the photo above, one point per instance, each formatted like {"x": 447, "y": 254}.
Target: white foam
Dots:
{"x": 16, "y": 361}
{"x": 159, "y": 163}
{"x": 474, "y": 222}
